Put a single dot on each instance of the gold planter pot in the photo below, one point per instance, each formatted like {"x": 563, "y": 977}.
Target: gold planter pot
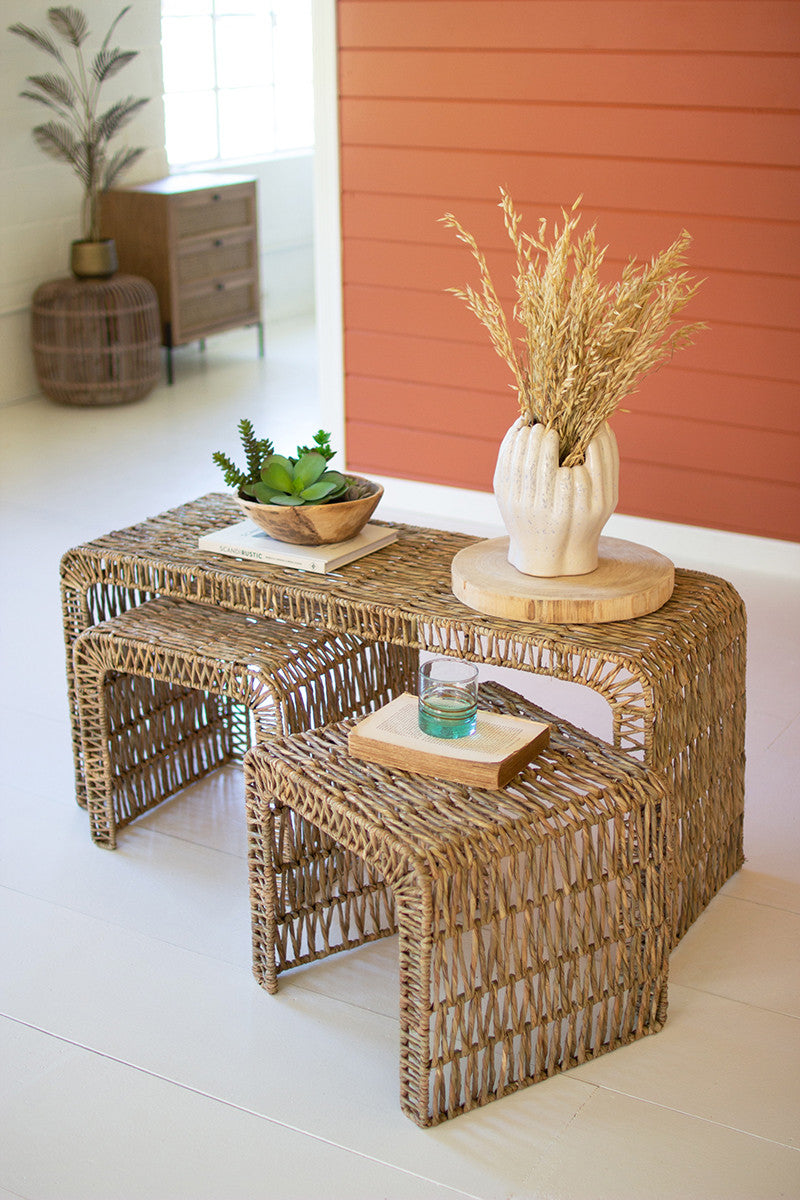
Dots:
{"x": 94, "y": 260}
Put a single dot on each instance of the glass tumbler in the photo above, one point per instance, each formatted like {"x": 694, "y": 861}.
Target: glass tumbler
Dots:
{"x": 448, "y": 698}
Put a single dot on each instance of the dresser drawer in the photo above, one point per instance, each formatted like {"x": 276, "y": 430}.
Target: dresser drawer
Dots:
{"x": 214, "y": 210}
{"x": 219, "y": 304}
{"x": 211, "y": 258}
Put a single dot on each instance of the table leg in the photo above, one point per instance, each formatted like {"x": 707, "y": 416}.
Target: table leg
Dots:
{"x": 421, "y": 1088}
{"x": 310, "y": 897}
{"x": 85, "y": 602}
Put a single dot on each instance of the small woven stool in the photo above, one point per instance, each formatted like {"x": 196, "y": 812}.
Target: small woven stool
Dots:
{"x": 169, "y": 691}
{"x": 96, "y": 341}
{"x": 534, "y": 921}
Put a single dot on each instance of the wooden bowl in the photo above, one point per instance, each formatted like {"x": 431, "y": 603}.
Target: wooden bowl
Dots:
{"x": 315, "y": 524}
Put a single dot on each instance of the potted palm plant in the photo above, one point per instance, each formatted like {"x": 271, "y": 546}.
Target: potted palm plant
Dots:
{"x": 79, "y": 133}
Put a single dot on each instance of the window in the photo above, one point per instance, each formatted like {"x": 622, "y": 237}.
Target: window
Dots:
{"x": 237, "y": 78}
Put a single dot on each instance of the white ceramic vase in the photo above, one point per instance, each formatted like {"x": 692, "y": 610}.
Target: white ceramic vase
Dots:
{"x": 554, "y": 515}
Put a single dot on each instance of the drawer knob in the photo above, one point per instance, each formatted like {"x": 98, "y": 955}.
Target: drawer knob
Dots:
{"x": 220, "y": 287}
{"x": 217, "y": 241}
{"x": 217, "y": 196}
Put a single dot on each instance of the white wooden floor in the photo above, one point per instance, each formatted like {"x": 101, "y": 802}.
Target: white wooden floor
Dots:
{"x": 139, "y": 1059}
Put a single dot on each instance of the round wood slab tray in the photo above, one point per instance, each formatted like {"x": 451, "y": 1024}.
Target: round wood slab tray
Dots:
{"x": 630, "y": 580}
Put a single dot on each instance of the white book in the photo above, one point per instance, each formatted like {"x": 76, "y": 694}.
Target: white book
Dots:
{"x": 246, "y": 540}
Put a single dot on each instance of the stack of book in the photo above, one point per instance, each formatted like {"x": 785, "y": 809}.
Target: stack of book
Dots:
{"x": 245, "y": 540}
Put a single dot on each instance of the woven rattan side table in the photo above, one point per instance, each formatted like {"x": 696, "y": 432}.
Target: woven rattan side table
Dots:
{"x": 674, "y": 680}
{"x": 534, "y": 921}
{"x": 169, "y": 691}
{"x": 96, "y": 341}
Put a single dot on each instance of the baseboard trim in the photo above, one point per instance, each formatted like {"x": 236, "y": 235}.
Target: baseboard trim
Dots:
{"x": 465, "y": 511}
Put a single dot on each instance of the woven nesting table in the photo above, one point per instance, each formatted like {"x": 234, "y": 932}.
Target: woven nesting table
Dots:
{"x": 674, "y": 679}
{"x": 534, "y": 921}
{"x": 169, "y": 691}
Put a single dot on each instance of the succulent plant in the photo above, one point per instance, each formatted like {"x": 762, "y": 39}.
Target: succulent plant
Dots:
{"x": 322, "y": 445}
{"x": 298, "y": 481}
{"x": 256, "y": 450}
{"x": 273, "y": 478}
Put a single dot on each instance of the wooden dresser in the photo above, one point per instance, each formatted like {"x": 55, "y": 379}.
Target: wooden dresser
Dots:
{"x": 195, "y": 237}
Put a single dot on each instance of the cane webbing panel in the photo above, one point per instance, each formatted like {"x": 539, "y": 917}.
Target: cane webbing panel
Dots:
{"x": 534, "y": 921}
{"x": 169, "y": 691}
{"x": 674, "y": 679}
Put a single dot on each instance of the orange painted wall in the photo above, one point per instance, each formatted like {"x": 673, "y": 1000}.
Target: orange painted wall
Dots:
{"x": 663, "y": 114}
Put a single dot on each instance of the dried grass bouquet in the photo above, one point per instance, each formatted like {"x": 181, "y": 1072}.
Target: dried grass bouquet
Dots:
{"x": 586, "y": 345}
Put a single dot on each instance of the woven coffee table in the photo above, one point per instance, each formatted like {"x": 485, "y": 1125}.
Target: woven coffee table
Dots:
{"x": 534, "y": 921}
{"x": 674, "y": 679}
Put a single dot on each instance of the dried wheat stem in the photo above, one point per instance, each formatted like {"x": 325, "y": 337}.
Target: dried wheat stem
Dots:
{"x": 584, "y": 345}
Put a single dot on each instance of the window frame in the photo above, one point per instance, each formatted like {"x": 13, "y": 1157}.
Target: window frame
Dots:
{"x": 277, "y": 148}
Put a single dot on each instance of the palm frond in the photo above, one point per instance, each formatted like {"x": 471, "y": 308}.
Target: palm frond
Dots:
{"x": 113, "y": 26}
{"x": 40, "y": 99}
{"x": 119, "y": 162}
{"x": 114, "y": 118}
{"x": 109, "y": 62}
{"x": 70, "y": 22}
{"x": 58, "y": 141}
{"x": 54, "y": 88}
{"x": 86, "y": 164}
{"x": 38, "y": 38}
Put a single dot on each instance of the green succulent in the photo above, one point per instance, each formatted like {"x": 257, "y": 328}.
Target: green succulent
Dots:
{"x": 271, "y": 478}
{"x": 295, "y": 482}
{"x": 322, "y": 445}
{"x": 256, "y": 450}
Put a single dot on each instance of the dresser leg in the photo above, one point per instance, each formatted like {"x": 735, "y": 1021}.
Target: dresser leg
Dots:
{"x": 168, "y": 345}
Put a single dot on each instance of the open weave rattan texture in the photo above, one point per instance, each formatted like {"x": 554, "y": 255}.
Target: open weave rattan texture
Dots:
{"x": 96, "y": 341}
{"x": 171, "y": 690}
{"x": 674, "y": 680}
{"x": 533, "y": 921}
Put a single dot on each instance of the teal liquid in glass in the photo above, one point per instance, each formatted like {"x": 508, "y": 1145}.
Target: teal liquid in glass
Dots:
{"x": 447, "y": 711}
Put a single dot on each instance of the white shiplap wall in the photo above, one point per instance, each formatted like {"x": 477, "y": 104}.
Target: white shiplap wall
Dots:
{"x": 40, "y": 198}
